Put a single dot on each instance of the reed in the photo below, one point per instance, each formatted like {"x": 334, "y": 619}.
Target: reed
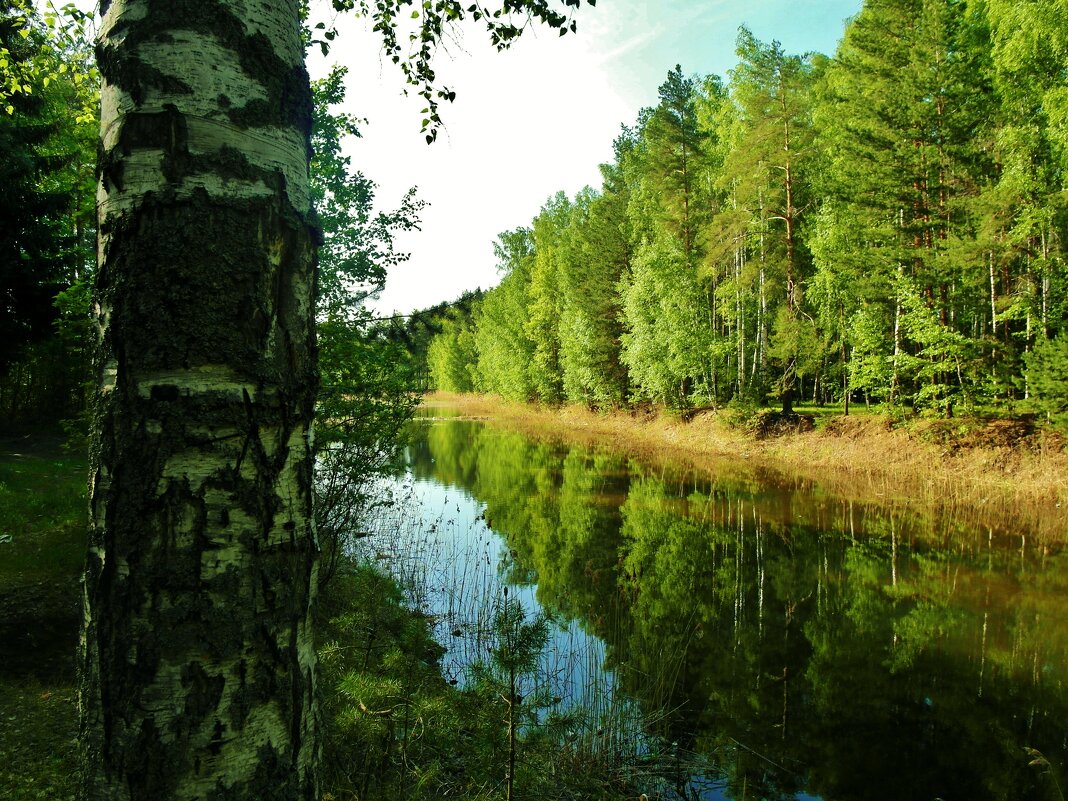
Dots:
{"x": 452, "y": 568}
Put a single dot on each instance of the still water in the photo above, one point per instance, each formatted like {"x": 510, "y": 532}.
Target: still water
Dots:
{"x": 792, "y": 643}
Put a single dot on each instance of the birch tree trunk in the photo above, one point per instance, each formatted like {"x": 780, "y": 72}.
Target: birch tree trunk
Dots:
{"x": 198, "y": 663}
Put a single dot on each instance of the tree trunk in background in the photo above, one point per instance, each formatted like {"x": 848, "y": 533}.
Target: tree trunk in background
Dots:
{"x": 198, "y": 663}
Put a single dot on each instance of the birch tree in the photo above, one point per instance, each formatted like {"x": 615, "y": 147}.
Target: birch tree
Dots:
{"x": 198, "y": 663}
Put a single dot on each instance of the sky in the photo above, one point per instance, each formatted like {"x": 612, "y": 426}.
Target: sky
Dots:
{"x": 531, "y": 121}
{"x": 534, "y": 120}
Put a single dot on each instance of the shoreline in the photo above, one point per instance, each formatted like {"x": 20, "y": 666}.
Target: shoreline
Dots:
{"x": 990, "y": 473}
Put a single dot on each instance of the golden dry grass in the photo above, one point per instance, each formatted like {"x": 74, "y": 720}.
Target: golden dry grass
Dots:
{"x": 992, "y": 472}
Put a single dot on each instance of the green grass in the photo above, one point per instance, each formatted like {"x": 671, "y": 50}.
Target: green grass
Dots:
{"x": 38, "y": 740}
{"x": 42, "y": 517}
{"x": 42, "y": 546}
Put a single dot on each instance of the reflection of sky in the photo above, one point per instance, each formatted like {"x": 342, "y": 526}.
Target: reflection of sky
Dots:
{"x": 455, "y": 567}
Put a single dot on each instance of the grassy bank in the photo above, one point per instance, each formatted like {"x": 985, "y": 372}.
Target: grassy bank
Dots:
{"x": 1005, "y": 473}
{"x": 42, "y": 544}
{"x": 394, "y": 727}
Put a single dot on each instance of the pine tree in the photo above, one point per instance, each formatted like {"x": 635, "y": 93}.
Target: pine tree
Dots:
{"x": 1047, "y": 375}
{"x": 1022, "y": 212}
{"x": 597, "y": 257}
{"x": 898, "y": 116}
{"x": 767, "y": 161}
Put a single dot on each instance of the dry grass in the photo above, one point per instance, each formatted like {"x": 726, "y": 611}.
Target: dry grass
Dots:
{"x": 998, "y": 473}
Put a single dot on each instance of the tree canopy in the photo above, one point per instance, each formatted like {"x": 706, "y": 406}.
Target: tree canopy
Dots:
{"x": 884, "y": 225}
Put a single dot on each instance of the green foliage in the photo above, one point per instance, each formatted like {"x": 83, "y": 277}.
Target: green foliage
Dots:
{"x": 591, "y": 323}
{"x": 428, "y": 25}
{"x": 545, "y": 300}
{"x": 667, "y": 165}
{"x": 48, "y": 208}
{"x": 358, "y": 240}
{"x": 57, "y": 54}
{"x": 1047, "y": 379}
{"x": 413, "y": 333}
{"x": 364, "y": 401}
{"x": 769, "y": 163}
{"x": 668, "y": 341}
{"x": 668, "y": 344}
{"x": 452, "y": 355}
{"x": 501, "y": 328}
{"x": 795, "y": 344}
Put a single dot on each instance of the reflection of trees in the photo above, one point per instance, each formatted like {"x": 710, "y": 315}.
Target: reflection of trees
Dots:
{"x": 715, "y": 627}
{"x": 444, "y": 452}
{"x": 854, "y": 660}
{"x": 577, "y": 559}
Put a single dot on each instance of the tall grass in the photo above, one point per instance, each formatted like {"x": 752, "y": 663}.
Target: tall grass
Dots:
{"x": 453, "y": 568}
{"x": 455, "y": 573}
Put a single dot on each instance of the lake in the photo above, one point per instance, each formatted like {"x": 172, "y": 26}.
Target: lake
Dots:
{"x": 738, "y": 634}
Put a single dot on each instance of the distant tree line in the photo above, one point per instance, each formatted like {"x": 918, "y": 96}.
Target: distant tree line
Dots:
{"x": 887, "y": 225}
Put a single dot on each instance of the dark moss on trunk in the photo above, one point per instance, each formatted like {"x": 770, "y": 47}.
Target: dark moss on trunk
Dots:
{"x": 191, "y": 283}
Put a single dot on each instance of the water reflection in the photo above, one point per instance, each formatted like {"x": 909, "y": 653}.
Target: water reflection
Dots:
{"x": 808, "y": 645}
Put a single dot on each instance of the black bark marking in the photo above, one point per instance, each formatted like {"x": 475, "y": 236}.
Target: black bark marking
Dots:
{"x": 216, "y": 304}
{"x": 203, "y": 693}
{"x": 167, "y": 131}
{"x": 289, "y": 100}
{"x": 164, "y": 393}
{"x": 134, "y": 75}
{"x": 215, "y": 747}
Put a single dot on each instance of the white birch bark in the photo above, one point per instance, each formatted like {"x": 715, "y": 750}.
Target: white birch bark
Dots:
{"x": 198, "y": 663}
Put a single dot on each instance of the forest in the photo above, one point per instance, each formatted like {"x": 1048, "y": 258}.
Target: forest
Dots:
{"x": 189, "y": 322}
{"x": 886, "y": 225}
{"x": 68, "y": 713}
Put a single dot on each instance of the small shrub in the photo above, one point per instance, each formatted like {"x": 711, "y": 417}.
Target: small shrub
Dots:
{"x": 1047, "y": 379}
